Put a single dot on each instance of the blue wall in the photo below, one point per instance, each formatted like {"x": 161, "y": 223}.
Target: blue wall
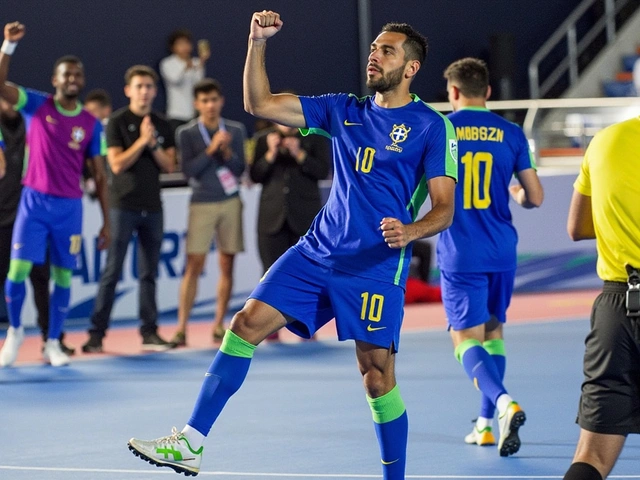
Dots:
{"x": 316, "y": 52}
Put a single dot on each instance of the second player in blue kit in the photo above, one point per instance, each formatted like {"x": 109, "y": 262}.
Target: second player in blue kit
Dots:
{"x": 390, "y": 150}
{"x": 477, "y": 254}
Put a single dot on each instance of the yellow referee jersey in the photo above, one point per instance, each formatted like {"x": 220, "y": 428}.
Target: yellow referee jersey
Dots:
{"x": 610, "y": 175}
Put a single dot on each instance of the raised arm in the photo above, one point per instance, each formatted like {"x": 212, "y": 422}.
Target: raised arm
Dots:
{"x": 13, "y": 32}
{"x": 283, "y": 108}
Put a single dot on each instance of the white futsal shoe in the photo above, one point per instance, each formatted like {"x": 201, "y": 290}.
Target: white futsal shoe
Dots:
{"x": 172, "y": 451}
{"x": 482, "y": 437}
{"x": 510, "y": 422}
{"x": 9, "y": 352}
{"x": 54, "y": 355}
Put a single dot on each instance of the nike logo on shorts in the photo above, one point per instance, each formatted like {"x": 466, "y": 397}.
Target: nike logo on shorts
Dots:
{"x": 371, "y": 328}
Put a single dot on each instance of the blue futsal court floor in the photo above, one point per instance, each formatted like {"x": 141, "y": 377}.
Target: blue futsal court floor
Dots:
{"x": 301, "y": 414}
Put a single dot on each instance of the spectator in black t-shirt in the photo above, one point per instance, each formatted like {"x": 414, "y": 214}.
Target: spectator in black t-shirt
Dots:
{"x": 139, "y": 146}
{"x": 13, "y": 130}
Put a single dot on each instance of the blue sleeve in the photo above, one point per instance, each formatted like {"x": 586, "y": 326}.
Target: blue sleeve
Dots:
{"x": 29, "y": 100}
{"x": 524, "y": 156}
{"x": 441, "y": 158}
{"x": 317, "y": 111}
{"x": 2, "y": 145}
{"x": 97, "y": 145}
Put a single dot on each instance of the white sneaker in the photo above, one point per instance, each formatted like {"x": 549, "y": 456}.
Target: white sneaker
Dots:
{"x": 54, "y": 355}
{"x": 509, "y": 422}
{"x": 9, "y": 352}
{"x": 480, "y": 437}
{"x": 173, "y": 451}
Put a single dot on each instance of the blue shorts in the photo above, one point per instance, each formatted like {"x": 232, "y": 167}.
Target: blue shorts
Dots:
{"x": 310, "y": 294}
{"x": 471, "y": 299}
{"x": 45, "y": 220}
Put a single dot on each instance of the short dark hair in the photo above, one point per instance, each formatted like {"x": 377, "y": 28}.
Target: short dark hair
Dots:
{"x": 100, "y": 96}
{"x": 177, "y": 35}
{"x": 140, "y": 71}
{"x": 67, "y": 59}
{"x": 207, "y": 85}
{"x": 415, "y": 46}
{"x": 470, "y": 75}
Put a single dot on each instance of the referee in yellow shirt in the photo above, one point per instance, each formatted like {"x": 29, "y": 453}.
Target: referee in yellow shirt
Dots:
{"x": 606, "y": 206}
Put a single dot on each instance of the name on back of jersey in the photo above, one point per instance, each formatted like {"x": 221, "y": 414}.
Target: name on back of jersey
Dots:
{"x": 488, "y": 134}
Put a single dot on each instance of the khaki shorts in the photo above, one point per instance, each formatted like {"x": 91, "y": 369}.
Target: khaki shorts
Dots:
{"x": 222, "y": 220}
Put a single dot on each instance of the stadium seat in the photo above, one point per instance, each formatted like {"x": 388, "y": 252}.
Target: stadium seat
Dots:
{"x": 613, "y": 88}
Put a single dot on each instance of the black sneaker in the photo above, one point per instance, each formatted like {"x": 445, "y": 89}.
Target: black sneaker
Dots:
{"x": 67, "y": 349}
{"x": 93, "y": 345}
{"x": 153, "y": 342}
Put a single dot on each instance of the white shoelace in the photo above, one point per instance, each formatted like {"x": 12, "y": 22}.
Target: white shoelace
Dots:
{"x": 173, "y": 438}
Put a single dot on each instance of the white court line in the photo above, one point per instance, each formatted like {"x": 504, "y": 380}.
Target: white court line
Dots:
{"x": 288, "y": 475}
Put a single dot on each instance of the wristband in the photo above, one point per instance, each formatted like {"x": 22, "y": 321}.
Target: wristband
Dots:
{"x": 8, "y": 47}
{"x": 155, "y": 147}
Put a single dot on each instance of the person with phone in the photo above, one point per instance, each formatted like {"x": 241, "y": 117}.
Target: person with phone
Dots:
{"x": 180, "y": 72}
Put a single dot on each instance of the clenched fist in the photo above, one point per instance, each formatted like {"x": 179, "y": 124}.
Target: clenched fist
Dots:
{"x": 264, "y": 25}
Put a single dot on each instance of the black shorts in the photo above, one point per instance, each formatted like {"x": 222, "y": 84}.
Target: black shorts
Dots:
{"x": 610, "y": 400}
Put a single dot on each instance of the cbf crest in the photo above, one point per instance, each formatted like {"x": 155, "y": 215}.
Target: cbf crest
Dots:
{"x": 399, "y": 134}
{"x": 77, "y": 136}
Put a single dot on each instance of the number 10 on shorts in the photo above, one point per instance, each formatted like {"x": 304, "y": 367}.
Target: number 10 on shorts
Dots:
{"x": 371, "y": 304}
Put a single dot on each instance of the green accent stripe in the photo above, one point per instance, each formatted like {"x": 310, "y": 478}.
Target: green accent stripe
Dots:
{"x": 22, "y": 99}
{"x": 532, "y": 158}
{"x": 61, "y": 276}
{"x": 388, "y": 407}
{"x": 396, "y": 279}
{"x": 195, "y": 452}
{"x": 464, "y": 346}
{"x": 451, "y": 155}
{"x": 314, "y": 131}
{"x": 103, "y": 144}
{"x": 475, "y": 109}
{"x": 68, "y": 113}
{"x": 235, "y": 346}
{"x": 19, "y": 270}
{"x": 495, "y": 347}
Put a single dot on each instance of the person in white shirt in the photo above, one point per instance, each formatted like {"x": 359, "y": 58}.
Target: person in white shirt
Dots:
{"x": 180, "y": 71}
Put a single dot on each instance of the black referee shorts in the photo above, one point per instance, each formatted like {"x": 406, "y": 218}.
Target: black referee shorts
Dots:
{"x": 610, "y": 400}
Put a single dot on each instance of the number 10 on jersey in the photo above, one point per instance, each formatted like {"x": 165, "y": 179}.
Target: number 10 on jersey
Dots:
{"x": 476, "y": 180}
{"x": 364, "y": 160}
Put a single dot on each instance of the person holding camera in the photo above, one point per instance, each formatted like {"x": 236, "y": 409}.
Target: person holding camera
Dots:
{"x": 289, "y": 167}
{"x": 180, "y": 71}
{"x": 606, "y": 206}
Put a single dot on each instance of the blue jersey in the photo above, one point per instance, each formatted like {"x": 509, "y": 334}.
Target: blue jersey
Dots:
{"x": 382, "y": 159}
{"x": 482, "y": 237}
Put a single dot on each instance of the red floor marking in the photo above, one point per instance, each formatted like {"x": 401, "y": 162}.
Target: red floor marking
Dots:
{"x": 525, "y": 308}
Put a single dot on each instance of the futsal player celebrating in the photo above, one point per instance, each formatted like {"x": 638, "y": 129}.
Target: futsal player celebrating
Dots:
{"x": 477, "y": 254}
{"x": 61, "y": 137}
{"x": 353, "y": 262}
